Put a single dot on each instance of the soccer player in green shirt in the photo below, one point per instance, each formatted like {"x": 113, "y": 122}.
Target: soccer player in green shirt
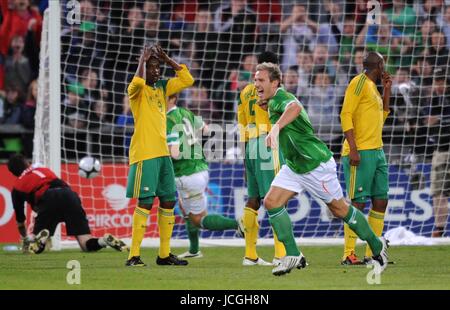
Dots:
{"x": 191, "y": 175}
{"x": 309, "y": 167}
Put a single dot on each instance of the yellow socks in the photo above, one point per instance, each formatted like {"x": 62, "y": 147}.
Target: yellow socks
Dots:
{"x": 166, "y": 220}
{"x": 251, "y": 225}
{"x": 349, "y": 241}
{"x": 280, "y": 251}
{"x": 376, "y": 222}
{"x": 140, "y": 216}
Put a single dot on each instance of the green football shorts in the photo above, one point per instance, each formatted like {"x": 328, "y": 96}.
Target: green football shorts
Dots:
{"x": 150, "y": 178}
{"x": 369, "y": 179}
{"x": 261, "y": 166}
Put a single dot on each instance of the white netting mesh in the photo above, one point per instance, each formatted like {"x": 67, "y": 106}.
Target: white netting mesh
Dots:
{"x": 320, "y": 45}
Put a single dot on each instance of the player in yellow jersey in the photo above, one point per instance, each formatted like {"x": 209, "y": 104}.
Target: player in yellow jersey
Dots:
{"x": 365, "y": 168}
{"x": 261, "y": 166}
{"x": 151, "y": 172}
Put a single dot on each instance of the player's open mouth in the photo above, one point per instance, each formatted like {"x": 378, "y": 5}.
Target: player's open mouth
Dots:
{"x": 260, "y": 93}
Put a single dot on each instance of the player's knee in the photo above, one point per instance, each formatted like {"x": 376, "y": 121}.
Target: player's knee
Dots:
{"x": 338, "y": 208}
{"x": 167, "y": 204}
{"x": 379, "y": 205}
{"x": 253, "y": 203}
{"x": 145, "y": 206}
{"x": 270, "y": 203}
{"x": 196, "y": 220}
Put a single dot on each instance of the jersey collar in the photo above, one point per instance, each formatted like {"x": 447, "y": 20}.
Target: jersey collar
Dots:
{"x": 174, "y": 108}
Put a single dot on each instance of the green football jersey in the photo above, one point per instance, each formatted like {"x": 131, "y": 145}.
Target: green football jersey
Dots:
{"x": 182, "y": 129}
{"x": 302, "y": 150}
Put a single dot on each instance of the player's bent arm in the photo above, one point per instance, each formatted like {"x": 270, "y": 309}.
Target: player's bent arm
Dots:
{"x": 183, "y": 80}
{"x": 291, "y": 112}
{"x": 138, "y": 81}
{"x": 18, "y": 201}
{"x": 349, "y": 135}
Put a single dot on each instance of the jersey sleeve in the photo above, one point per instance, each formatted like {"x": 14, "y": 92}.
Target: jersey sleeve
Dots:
{"x": 173, "y": 136}
{"x": 353, "y": 95}
{"x": 183, "y": 80}
{"x": 280, "y": 102}
{"x": 135, "y": 87}
{"x": 242, "y": 119}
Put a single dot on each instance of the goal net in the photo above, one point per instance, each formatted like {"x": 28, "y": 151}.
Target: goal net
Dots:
{"x": 320, "y": 45}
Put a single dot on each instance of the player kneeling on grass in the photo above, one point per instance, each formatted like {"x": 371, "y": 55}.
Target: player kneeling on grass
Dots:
{"x": 310, "y": 167}
{"x": 191, "y": 175}
{"x": 54, "y": 202}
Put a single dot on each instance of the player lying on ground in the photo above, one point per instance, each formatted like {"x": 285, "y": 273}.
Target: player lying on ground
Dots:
{"x": 191, "y": 174}
{"x": 151, "y": 171}
{"x": 261, "y": 166}
{"x": 54, "y": 202}
{"x": 310, "y": 167}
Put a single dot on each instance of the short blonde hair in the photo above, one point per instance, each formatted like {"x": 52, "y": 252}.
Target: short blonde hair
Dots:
{"x": 273, "y": 70}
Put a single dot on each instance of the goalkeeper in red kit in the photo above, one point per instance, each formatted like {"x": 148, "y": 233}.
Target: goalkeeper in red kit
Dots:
{"x": 54, "y": 201}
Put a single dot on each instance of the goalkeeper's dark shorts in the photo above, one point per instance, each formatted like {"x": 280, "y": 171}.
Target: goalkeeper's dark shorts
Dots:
{"x": 57, "y": 205}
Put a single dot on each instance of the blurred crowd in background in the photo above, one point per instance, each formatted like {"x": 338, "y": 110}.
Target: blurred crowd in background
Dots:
{"x": 321, "y": 45}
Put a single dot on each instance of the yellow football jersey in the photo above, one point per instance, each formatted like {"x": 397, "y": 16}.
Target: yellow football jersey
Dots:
{"x": 148, "y": 105}
{"x": 253, "y": 120}
{"x": 363, "y": 112}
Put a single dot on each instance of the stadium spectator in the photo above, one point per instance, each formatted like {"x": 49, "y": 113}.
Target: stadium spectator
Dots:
{"x": 438, "y": 122}
{"x": 403, "y": 17}
{"x": 125, "y": 119}
{"x": 323, "y": 105}
{"x": 236, "y": 25}
{"x": 16, "y": 16}
{"x": 291, "y": 81}
{"x": 89, "y": 81}
{"x": 17, "y": 66}
{"x": 421, "y": 73}
{"x": 322, "y": 60}
{"x": 87, "y": 11}
{"x": 199, "y": 103}
{"x": 344, "y": 38}
{"x": 357, "y": 64}
{"x": 151, "y": 27}
{"x": 444, "y": 23}
{"x": 13, "y": 106}
{"x": 437, "y": 53}
{"x": 204, "y": 38}
{"x": 74, "y": 109}
{"x": 29, "y": 109}
{"x": 298, "y": 32}
{"x": 305, "y": 65}
{"x": 54, "y": 201}
{"x": 240, "y": 78}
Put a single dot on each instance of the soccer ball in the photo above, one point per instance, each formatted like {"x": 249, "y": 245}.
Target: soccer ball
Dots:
{"x": 89, "y": 167}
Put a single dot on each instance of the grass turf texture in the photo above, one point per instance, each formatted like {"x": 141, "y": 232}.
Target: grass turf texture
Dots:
{"x": 415, "y": 268}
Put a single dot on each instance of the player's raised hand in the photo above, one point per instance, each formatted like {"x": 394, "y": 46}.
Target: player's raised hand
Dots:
{"x": 272, "y": 138}
{"x": 146, "y": 53}
{"x": 386, "y": 79}
{"x": 159, "y": 52}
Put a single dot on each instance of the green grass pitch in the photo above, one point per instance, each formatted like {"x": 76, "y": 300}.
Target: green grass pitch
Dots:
{"x": 414, "y": 268}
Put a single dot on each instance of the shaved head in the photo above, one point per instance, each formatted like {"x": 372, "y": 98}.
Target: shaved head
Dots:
{"x": 372, "y": 61}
